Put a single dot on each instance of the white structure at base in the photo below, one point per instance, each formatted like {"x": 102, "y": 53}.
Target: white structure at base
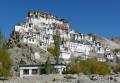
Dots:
{"x": 28, "y": 71}
{"x": 34, "y": 70}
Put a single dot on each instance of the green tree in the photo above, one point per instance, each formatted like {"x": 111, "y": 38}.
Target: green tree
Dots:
{"x": 116, "y": 69}
{"x": 117, "y": 50}
{"x": 5, "y": 63}
{"x": 90, "y": 66}
{"x": 117, "y": 59}
{"x": 5, "y": 60}
{"x": 51, "y": 50}
{"x": 1, "y": 39}
{"x": 48, "y": 66}
{"x": 101, "y": 68}
{"x": 57, "y": 42}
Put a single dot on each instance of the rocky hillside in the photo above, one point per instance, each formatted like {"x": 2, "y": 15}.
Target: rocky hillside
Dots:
{"x": 106, "y": 42}
{"x": 24, "y": 52}
{"x": 27, "y": 55}
{"x": 116, "y": 39}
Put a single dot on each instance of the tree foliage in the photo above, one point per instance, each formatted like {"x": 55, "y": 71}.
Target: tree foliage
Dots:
{"x": 51, "y": 50}
{"x": 2, "y": 40}
{"x": 48, "y": 66}
{"x": 117, "y": 50}
{"x": 90, "y": 66}
{"x": 117, "y": 59}
{"x": 5, "y": 61}
{"x": 117, "y": 68}
{"x": 57, "y": 42}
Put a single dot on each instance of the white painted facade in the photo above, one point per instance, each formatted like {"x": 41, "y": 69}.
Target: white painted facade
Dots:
{"x": 28, "y": 71}
{"x": 38, "y": 30}
{"x": 110, "y": 57}
{"x": 77, "y": 47}
{"x": 101, "y": 59}
{"x": 34, "y": 70}
{"x": 69, "y": 49}
{"x": 100, "y": 50}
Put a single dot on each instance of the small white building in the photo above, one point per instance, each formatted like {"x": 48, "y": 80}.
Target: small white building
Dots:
{"x": 72, "y": 49}
{"x": 65, "y": 55}
{"x": 110, "y": 57}
{"x": 35, "y": 70}
{"x": 100, "y": 50}
{"x": 28, "y": 70}
{"x": 101, "y": 58}
{"x": 77, "y": 47}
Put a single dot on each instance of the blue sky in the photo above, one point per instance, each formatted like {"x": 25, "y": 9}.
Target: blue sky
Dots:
{"x": 99, "y": 16}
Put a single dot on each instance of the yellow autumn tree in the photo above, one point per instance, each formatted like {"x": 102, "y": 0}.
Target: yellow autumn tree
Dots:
{"x": 90, "y": 66}
{"x": 5, "y": 60}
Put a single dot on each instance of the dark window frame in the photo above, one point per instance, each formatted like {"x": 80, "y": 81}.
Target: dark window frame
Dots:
{"x": 26, "y": 71}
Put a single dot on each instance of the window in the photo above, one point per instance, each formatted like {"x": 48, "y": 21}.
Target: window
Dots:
{"x": 33, "y": 40}
{"x": 29, "y": 39}
{"x": 34, "y": 71}
{"x": 30, "y": 25}
{"x": 40, "y": 44}
{"x": 26, "y": 71}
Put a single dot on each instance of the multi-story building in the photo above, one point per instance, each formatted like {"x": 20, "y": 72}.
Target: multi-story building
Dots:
{"x": 39, "y": 27}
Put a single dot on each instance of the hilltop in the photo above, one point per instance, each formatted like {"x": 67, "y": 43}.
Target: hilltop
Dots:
{"x": 30, "y": 40}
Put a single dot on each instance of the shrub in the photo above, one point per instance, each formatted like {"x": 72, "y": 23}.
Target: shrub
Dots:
{"x": 90, "y": 66}
{"x": 116, "y": 69}
{"x": 5, "y": 63}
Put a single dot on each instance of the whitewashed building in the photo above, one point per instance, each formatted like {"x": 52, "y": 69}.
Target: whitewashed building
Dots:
{"x": 39, "y": 27}
{"x": 36, "y": 70}
{"x": 110, "y": 57}
{"x": 71, "y": 49}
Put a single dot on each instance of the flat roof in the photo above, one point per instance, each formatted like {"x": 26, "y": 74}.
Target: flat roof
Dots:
{"x": 29, "y": 65}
